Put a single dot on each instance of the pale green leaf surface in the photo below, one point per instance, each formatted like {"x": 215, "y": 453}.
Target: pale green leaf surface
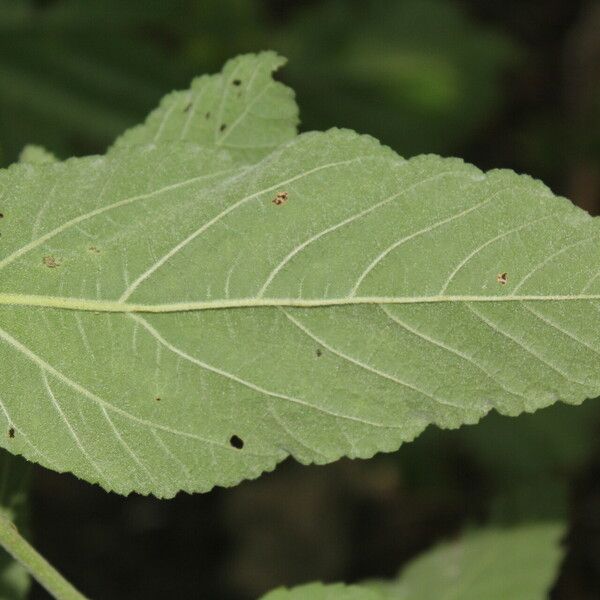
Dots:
{"x": 15, "y": 473}
{"x": 156, "y": 303}
{"x": 241, "y": 110}
{"x": 490, "y": 564}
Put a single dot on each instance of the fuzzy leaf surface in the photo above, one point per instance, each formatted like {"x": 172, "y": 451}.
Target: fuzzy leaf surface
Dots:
{"x": 172, "y": 320}
{"x": 241, "y": 110}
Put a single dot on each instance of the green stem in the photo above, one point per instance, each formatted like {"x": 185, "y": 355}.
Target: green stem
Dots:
{"x": 46, "y": 575}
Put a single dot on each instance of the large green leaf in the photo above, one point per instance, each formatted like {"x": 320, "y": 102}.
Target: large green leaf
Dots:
{"x": 172, "y": 319}
{"x": 490, "y": 564}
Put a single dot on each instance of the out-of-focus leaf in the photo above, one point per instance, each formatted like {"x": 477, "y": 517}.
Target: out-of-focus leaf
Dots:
{"x": 490, "y": 564}
{"x": 418, "y": 74}
{"x": 523, "y": 475}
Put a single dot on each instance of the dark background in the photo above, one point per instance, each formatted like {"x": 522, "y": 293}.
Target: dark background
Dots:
{"x": 511, "y": 84}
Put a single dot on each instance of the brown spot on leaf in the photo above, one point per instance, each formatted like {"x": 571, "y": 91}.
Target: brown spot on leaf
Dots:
{"x": 236, "y": 442}
{"x": 50, "y": 262}
{"x": 11, "y": 433}
{"x": 502, "y": 278}
{"x": 1, "y": 215}
{"x": 319, "y": 352}
{"x": 94, "y": 250}
{"x": 157, "y": 398}
{"x": 237, "y": 82}
{"x": 207, "y": 115}
{"x": 223, "y": 127}
{"x": 281, "y": 198}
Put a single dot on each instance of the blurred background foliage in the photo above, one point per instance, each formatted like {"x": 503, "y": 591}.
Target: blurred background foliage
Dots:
{"x": 76, "y": 74}
{"x": 514, "y": 84}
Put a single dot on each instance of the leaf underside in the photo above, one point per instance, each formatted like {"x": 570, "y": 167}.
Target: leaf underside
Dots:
{"x": 178, "y": 314}
{"x": 494, "y": 564}
{"x": 241, "y": 110}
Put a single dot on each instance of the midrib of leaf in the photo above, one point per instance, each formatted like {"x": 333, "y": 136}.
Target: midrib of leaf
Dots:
{"x": 259, "y": 299}
{"x": 230, "y": 209}
{"x": 116, "y": 306}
